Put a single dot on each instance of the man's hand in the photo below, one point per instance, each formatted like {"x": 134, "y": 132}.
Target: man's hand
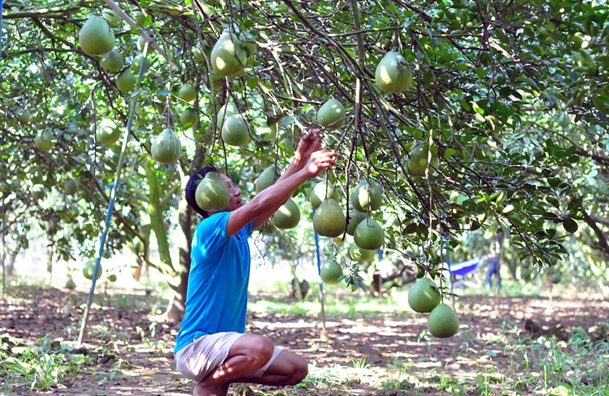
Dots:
{"x": 308, "y": 145}
{"x": 320, "y": 160}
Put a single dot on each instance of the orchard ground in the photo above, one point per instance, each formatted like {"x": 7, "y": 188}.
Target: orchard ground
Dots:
{"x": 531, "y": 339}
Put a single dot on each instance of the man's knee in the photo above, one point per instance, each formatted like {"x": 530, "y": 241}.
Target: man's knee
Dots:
{"x": 261, "y": 348}
{"x": 299, "y": 372}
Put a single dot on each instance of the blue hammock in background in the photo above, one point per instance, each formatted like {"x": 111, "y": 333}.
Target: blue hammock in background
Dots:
{"x": 464, "y": 269}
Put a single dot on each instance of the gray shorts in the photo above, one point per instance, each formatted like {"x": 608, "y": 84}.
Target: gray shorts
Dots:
{"x": 202, "y": 356}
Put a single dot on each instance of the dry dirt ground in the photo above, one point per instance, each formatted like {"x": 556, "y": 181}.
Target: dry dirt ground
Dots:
{"x": 128, "y": 347}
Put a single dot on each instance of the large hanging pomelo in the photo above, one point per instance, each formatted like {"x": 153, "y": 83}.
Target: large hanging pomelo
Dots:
{"x": 424, "y": 295}
{"x": 287, "y": 216}
{"x": 228, "y": 57}
{"x": 322, "y": 191}
{"x": 367, "y": 193}
{"x": 331, "y": 271}
{"x": 166, "y": 147}
{"x": 96, "y": 37}
{"x": 113, "y": 62}
{"x": 355, "y": 217}
{"x": 393, "y": 74}
{"x": 44, "y": 141}
{"x": 417, "y": 163}
{"x": 369, "y": 234}
{"x": 329, "y": 114}
{"x": 361, "y": 255}
{"x": 108, "y": 132}
{"x": 234, "y": 131}
{"x": 329, "y": 219}
{"x": 211, "y": 194}
{"x": 226, "y": 111}
{"x": 125, "y": 82}
{"x": 443, "y": 321}
{"x": 89, "y": 270}
{"x": 266, "y": 179}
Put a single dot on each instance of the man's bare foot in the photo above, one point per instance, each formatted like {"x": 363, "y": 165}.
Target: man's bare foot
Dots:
{"x": 202, "y": 391}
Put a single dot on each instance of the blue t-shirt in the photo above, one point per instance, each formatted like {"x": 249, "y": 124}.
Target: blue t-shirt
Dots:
{"x": 217, "y": 284}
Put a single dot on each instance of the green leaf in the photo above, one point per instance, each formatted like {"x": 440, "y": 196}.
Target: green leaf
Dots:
{"x": 569, "y": 225}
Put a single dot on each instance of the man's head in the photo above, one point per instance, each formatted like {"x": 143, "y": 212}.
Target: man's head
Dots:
{"x": 191, "y": 189}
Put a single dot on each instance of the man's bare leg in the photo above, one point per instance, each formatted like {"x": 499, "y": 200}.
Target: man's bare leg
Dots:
{"x": 248, "y": 354}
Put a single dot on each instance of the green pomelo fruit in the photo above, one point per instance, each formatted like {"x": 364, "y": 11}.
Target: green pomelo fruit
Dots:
{"x": 555, "y": 278}
{"x": 108, "y": 132}
{"x": 393, "y": 74}
{"x": 228, "y": 57}
{"x": 330, "y": 271}
{"x": 329, "y": 113}
{"x": 37, "y": 178}
{"x": 125, "y": 82}
{"x": 187, "y": 93}
{"x": 227, "y": 110}
{"x": 113, "y": 62}
{"x": 369, "y": 235}
{"x": 234, "y": 131}
{"x": 526, "y": 274}
{"x": 111, "y": 17}
{"x": 141, "y": 44}
{"x": 112, "y": 278}
{"x": 211, "y": 194}
{"x": 287, "y": 216}
{"x": 141, "y": 17}
{"x": 189, "y": 117}
{"x": 443, "y": 322}
{"x": 329, "y": 219}
{"x": 361, "y": 255}
{"x": 96, "y": 37}
{"x": 137, "y": 63}
{"x": 267, "y": 132}
{"x": 166, "y": 147}
{"x": 89, "y": 270}
{"x": 322, "y": 191}
{"x": 38, "y": 192}
{"x": 217, "y": 82}
{"x": 198, "y": 54}
{"x": 417, "y": 163}
{"x": 424, "y": 295}
{"x": 70, "y": 186}
{"x": 355, "y": 217}
{"x": 25, "y": 117}
{"x": 44, "y": 141}
{"x": 367, "y": 193}
{"x": 70, "y": 284}
{"x": 266, "y": 179}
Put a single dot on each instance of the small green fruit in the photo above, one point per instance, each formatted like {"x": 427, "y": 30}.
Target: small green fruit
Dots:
{"x": 228, "y": 57}
{"x": 125, "y": 82}
{"x": 367, "y": 193}
{"x": 369, "y": 235}
{"x": 111, "y": 17}
{"x": 211, "y": 194}
{"x": 355, "y": 217}
{"x": 235, "y": 131}
{"x": 288, "y": 146}
{"x": 44, "y": 141}
{"x": 89, "y": 270}
{"x": 137, "y": 63}
{"x": 266, "y": 179}
{"x": 187, "y": 93}
{"x": 166, "y": 147}
{"x": 112, "y": 278}
{"x": 329, "y": 114}
{"x": 443, "y": 322}
{"x": 555, "y": 278}
{"x": 287, "y": 216}
{"x": 25, "y": 117}
{"x": 189, "y": 117}
{"x": 331, "y": 271}
{"x": 70, "y": 186}
{"x": 70, "y": 284}
{"x": 113, "y": 62}
{"x": 417, "y": 163}
{"x": 108, "y": 132}
{"x": 393, "y": 74}
{"x": 38, "y": 192}
{"x": 329, "y": 219}
{"x": 361, "y": 255}
{"x": 96, "y": 37}
{"x": 424, "y": 295}
{"x": 526, "y": 274}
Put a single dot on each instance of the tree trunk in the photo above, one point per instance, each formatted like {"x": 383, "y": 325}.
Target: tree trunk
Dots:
{"x": 175, "y": 310}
